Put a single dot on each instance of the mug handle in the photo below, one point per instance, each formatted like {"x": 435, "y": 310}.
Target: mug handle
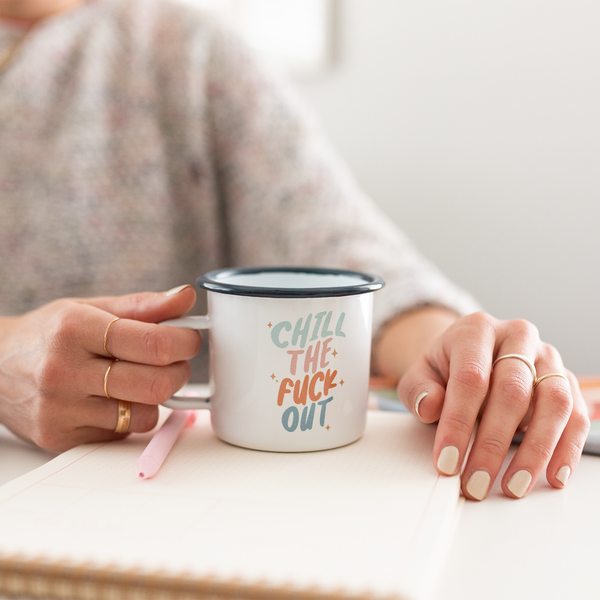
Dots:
{"x": 188, "y": 403}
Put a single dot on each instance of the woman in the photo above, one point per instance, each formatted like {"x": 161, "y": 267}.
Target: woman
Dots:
{"x": 140, "y": 145}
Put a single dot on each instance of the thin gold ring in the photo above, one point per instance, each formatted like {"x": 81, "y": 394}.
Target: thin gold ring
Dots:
{"x": 124, "y": 417}
{"x": 106, "y": 376}
{"x": 106, "y": 336}
{"x": 520, "y": 357}
{"x": 540, "y": 379}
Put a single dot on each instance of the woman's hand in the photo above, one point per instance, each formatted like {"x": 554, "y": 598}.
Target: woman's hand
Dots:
{"x": 53, "y": 365}
{"x": 462, "y": 381}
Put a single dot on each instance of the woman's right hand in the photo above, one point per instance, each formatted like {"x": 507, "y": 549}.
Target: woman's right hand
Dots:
{"x": 53, "y": 365}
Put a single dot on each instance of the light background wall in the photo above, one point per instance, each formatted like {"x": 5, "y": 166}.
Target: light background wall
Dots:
{"x": 476, "y": 126}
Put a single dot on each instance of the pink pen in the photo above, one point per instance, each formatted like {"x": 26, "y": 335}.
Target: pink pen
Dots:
{"x": 160, "y": 445}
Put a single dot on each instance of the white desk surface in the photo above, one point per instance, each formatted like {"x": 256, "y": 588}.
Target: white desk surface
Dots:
{"x": 543, "y": 546}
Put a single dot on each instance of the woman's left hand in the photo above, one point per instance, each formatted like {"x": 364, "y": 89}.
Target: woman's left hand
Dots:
{"x": 471, "y": 382}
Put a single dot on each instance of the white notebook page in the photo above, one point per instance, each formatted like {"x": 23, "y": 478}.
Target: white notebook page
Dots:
{"x": 372, "y": 517}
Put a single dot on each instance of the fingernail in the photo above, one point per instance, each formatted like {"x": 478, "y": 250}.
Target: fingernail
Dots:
{"x": 177, "y": 289}
{"x": 418, "y": 402}
{"x": 519, "y": 483}
{"x": 478, "y": 484}
{"x": 448, "y": 460}
{"x": 563, "y": 474}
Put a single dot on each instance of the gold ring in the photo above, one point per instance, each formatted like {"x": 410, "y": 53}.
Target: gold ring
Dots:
{"x": 106, "y": 376}
{"x": 540, "y": 379}
{"x": 124, "y": 418}
{"x": 106, "y": 336}
{"x": 522, "y": 358}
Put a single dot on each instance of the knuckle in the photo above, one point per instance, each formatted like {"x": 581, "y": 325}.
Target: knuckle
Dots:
{"x": 184, "y": 372}
{"x": 137, "y": 303}
{"x": 515, "y": 385}
{"x": 494, "y": 447}
{"x": 48, "y": 440}
{"x": 523, "y": 329}
{"x": 66, "y": 326}
{"x": 480, "y": 320}
{"x": 540, "y": 448}
{"x": 45, "y": 432}
{"x": 472, "y": 375}
{"x": 582, "y": 422}
{"x": 459, "y": 424}
{"x": 159, "y": 345}
{"x": 573, "y": 448}
{"x": 161, "y": 387}
{"x": 550, "y": 354}
{"x": 562, "y": 401}
{"x": 50, "y": 375}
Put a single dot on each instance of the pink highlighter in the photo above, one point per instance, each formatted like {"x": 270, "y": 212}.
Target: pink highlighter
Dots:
{"x": 160, "y": 445}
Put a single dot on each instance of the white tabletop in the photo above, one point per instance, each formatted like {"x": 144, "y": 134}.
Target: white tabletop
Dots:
{"x": 540, "y": 547}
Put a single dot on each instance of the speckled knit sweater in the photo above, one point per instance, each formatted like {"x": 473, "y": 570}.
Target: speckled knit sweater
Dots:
{"x": 141, "y": 145}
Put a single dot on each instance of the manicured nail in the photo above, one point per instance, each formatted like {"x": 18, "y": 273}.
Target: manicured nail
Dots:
{"x": 478, "y": 484}
{"x": 448, "y": 460}
{"x": 563, "y": 474}
{"x": 519, "y": 483}
{"x": 420, "y": 397}
{"x": 176, "y": 290}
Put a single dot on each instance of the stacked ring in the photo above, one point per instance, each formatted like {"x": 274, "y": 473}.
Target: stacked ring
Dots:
{"x": 124, "y": 411}
{"x": 520, "y": 357}
{"x": 540, "y": 379}
{"x": 106, "y": 377}
{"x": 106, "y": 336}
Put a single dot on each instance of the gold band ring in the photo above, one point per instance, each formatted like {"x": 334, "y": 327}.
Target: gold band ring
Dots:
{"x": 106, "y": 336}
{"x": 106, "y": 376}
{"x": 540, "y": 379}
{"x": 124, "y": 417}
{"x": 522, "y": 358}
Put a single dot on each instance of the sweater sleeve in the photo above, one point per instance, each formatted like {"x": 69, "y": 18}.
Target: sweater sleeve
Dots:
{"x": 288, "y": 198}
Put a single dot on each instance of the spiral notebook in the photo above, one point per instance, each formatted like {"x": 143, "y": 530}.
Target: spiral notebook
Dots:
{"x": 369, "y": 520}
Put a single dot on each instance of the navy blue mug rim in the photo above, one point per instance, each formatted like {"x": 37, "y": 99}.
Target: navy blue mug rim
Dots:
{"x": 210, "y": 281}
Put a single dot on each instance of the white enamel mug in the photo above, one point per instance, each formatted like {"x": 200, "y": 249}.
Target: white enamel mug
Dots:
{"x": 289, "y": 356}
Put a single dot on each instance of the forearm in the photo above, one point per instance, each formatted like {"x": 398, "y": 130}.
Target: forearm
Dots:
{"x": 406, "y": 338}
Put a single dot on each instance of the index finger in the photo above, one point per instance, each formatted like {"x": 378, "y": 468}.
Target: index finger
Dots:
{"x": 470, "y": 360}
{"x": 139, "y": 342}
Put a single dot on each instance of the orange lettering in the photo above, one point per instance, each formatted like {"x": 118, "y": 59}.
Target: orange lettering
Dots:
{"x": 283, "y": 389}
{"x": 311, "y": 390}
{"x": 329, "y": 381}
{"x": 300, "y": 395}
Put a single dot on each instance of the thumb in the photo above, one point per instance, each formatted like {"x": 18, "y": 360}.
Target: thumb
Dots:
{"x": 422, "y": 390}
{"x": 149, "y": 307}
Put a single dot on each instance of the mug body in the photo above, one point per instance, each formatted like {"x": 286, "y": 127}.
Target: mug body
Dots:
{"x": 289, "y": 357}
